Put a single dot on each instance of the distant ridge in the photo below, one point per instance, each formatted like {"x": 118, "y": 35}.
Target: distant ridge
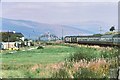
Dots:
{"x": 33, "y": 29}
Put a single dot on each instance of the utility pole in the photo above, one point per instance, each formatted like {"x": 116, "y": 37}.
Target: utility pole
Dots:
{"x": 8, "y": 39}
{"x": 34, "y": 38}
{"x": 48, "y": 36}
{"x": 100, "y": 30}
{"x": 62, "y": 33}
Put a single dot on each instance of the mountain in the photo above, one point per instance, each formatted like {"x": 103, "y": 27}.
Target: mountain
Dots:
{"x": 33, "y": 29}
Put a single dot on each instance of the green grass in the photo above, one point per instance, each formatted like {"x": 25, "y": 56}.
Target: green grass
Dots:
{"x": 12, "y": 73}
{"x": 49, "y": 54}
{"x": 19, "y": 64}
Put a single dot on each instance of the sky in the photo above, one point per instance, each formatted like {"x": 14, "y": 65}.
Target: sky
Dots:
{"x": 84, "y": 14}
{"x": 59, "y": 0}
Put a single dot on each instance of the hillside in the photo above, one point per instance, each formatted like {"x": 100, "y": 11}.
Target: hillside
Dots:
{"x": 34, "y": 29}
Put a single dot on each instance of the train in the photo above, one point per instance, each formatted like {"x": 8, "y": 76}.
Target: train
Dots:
{"x": 103, "y": 40}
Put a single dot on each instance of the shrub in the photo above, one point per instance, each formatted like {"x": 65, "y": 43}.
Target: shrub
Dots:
{"x": 29, "y": 74}
{"x": 77, "y": 56}
{"x": 49, "y": 43}
{"x": 40, "y": 47}
{"x": 85, "y": 73}
{"x": 38, "y": 70}
{"x": 62, "y": 73}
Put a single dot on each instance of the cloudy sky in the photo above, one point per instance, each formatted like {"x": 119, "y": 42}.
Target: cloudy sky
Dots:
{"x": 84, "y": 14}
{"x": 59, "y": 0}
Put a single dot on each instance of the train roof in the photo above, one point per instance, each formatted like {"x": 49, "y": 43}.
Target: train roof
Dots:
{"x": 107, "y": 36}
{"x": 70, "y": 36}
{"x": 82, "y": 36}
{"x": 110, "y": 35}
{"x": 91, "y": 36}
{"x": 103, "y": 36}
{"x": 88, "y": 36}
{"x": 116, "y": 35}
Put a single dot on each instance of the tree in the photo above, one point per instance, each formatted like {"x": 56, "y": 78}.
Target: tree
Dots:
{"x": 112, "y": 28}
{"x": 26, "y": 39}
{"x": 97, "y": 35}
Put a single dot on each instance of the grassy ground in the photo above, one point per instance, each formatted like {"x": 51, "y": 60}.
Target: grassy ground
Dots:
{"x": 14, "y": 64}
{"x": 50, "y": 54}
{"x": 42, "y": 63}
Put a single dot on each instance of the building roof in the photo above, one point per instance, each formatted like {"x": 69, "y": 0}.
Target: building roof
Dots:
{"x": 19, "y": 34}
{"x": 16, "y": 34}
{"x": 11, "y": 36}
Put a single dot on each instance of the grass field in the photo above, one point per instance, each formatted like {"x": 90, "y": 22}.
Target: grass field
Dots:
{"x": 49, "y": 55}
{"x": 41, "y": 63}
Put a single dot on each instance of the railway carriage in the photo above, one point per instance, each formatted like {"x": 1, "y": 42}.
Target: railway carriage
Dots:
{"x": 82, "y": 39}
{"x": 67, "y": 39}
{"x": 70, "y": 39}
{"x": 88, "y": 39}
{"x": 74, "y": 39}
{"x": 116, "y": 39}
{"x": 108, "y": 40}
{"x": 94, "y": 40}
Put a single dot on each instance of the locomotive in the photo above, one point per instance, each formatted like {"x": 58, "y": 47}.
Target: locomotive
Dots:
{"x": 106, "y": 40}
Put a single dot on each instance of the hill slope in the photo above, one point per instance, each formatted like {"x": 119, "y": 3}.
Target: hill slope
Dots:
{"x": 34, "y": 29}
